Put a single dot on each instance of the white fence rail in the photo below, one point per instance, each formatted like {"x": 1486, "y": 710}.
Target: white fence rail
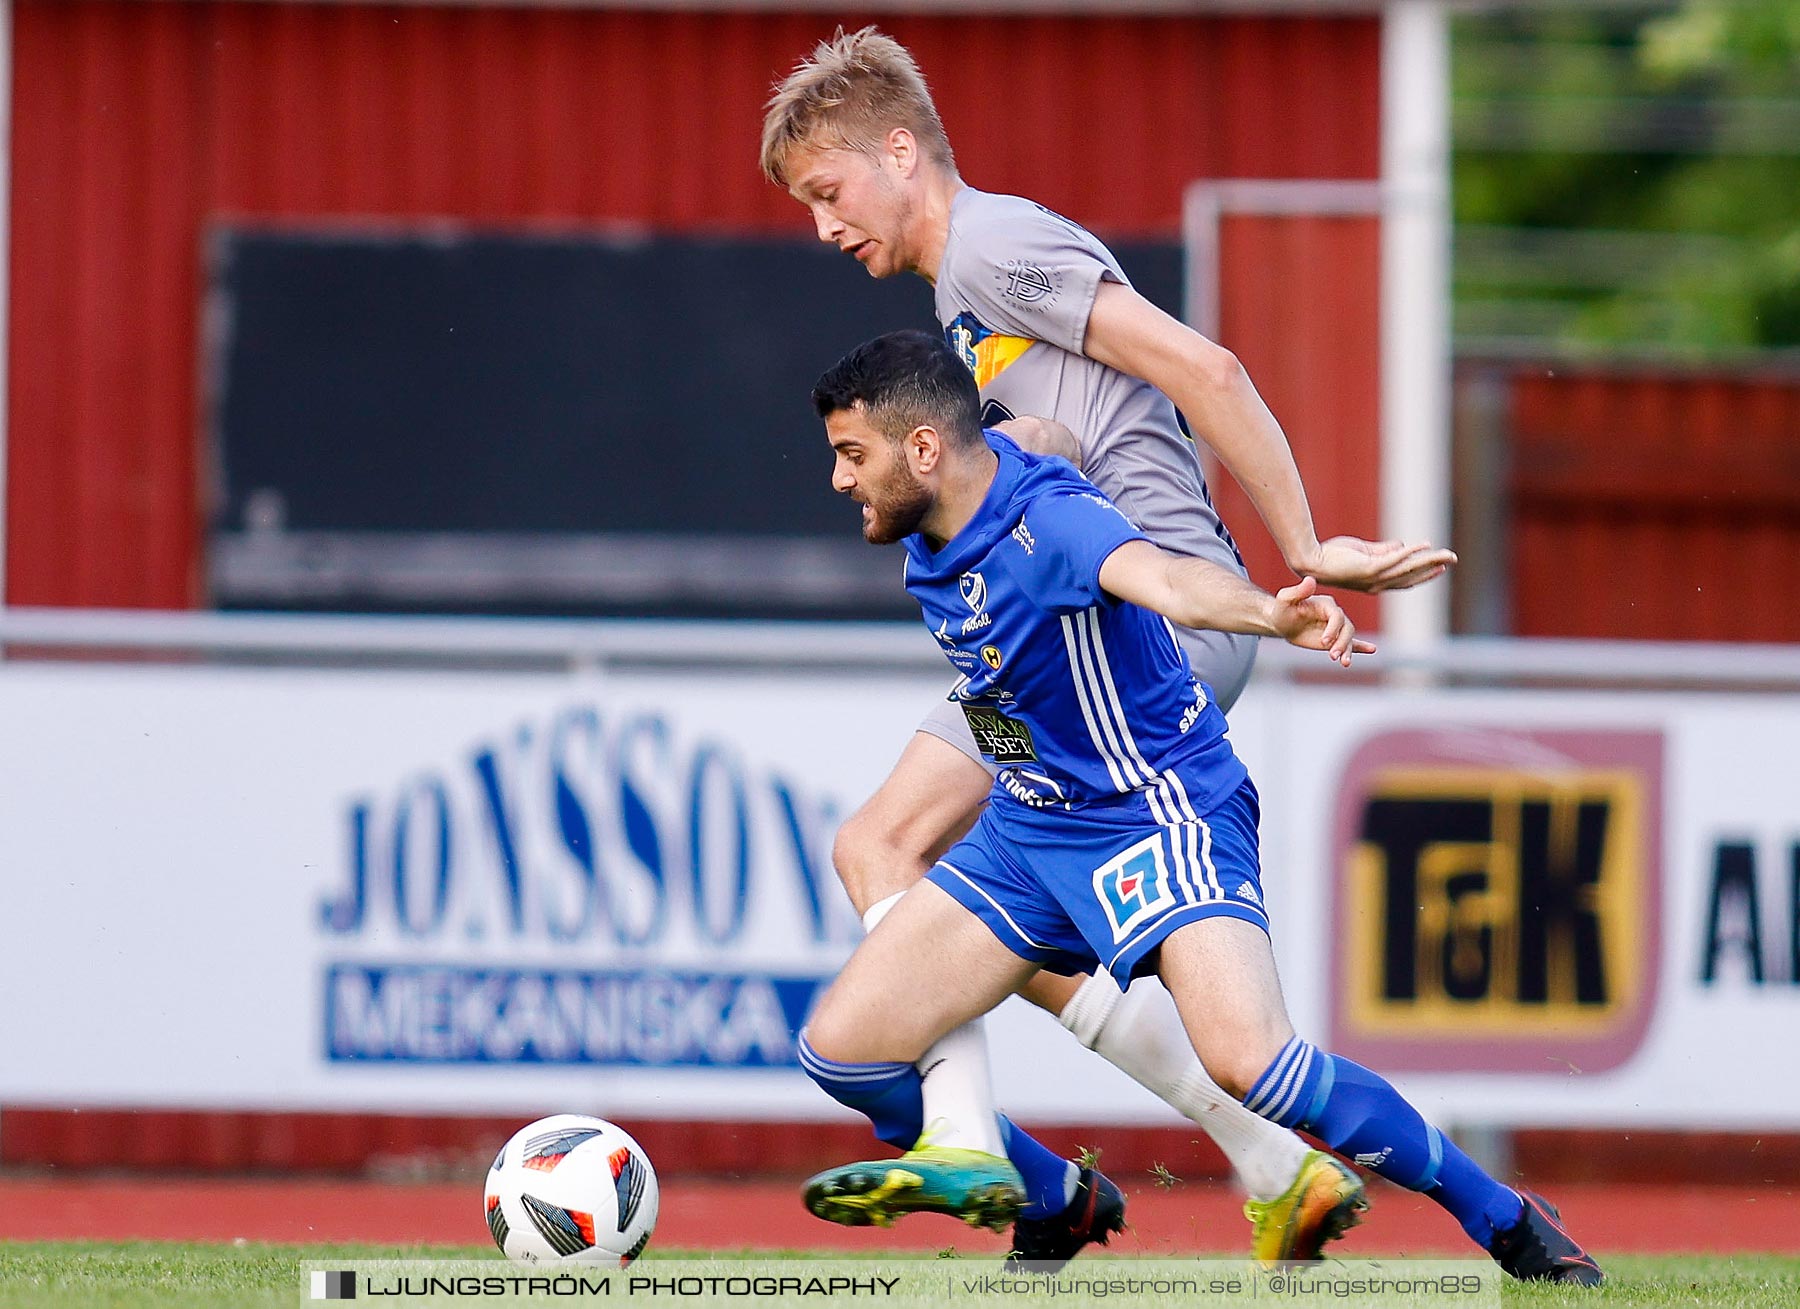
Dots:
{"x": 602, "y": 643}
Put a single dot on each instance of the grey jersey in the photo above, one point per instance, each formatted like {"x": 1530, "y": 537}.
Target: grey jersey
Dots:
{"x": 1013, "y": 293}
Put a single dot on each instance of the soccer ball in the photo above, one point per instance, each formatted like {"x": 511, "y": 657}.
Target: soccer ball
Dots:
{"x": 571, "y": 1189}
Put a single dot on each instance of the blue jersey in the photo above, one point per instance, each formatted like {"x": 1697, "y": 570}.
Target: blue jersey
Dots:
{"x": 1081, "y": 702}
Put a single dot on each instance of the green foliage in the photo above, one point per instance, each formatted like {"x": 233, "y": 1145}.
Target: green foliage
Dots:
{"x": 1645, "y": 124}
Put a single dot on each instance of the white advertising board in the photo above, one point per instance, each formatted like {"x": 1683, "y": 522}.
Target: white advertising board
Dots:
{"x": 451, "y": 892}
{"x": 444, "y": 892}
{"x": 1548, "y": 908}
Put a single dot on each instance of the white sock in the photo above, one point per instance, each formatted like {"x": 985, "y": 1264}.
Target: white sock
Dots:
{"x": 959, "y": 1092}
{"x": 879, "y": 910}
{"x": 959, "y": 1088}
{"x": 1140, "y": 1032}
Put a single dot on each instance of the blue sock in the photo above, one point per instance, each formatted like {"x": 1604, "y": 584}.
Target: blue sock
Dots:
{"x": 1049, "y": 1178}
{"x": 889, "y": 1095}
{"x": 1358, "y": 1114}
{"x": 1483, "y": 1206}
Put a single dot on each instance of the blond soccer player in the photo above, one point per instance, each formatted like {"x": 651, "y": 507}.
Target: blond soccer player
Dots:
{"x": 1070, "y": 360}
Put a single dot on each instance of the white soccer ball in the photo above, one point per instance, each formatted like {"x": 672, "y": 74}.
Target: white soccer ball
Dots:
{"x": 571, "y": 1189}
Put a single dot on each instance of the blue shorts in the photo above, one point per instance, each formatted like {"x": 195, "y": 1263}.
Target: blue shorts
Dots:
{"x": 1073, "y": 892}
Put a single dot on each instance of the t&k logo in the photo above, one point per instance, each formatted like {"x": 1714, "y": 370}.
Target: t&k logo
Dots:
{"x": 1496, "y": 901}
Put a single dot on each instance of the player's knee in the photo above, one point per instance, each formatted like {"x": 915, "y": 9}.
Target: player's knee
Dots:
{"x": 830, "y": 1033}
{"x": 1237, "y": 1058}
{"x": 1234, "y": 1075}
{"x": 874, "y": 858}
{"x": 838, "y": 1033}
{"x": 853, "y": 852}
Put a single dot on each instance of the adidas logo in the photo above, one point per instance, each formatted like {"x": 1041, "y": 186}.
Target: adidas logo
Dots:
{"x": 1248, "y": 892}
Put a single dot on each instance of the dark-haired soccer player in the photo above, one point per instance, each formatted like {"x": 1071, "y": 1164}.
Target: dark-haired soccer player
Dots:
{"x": 1121, "y": 833}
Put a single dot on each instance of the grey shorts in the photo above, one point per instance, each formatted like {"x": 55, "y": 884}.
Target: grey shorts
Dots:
{"x": 1222, "y": 660}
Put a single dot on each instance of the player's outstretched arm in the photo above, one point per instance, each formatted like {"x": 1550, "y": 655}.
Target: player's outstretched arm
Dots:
{"x": 1042, "y": 436}
{"x": 1209, "y": 385}
{"x": 1198, "y": 593}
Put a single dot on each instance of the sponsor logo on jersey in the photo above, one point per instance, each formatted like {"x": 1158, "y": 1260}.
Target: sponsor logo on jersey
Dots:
{"x": 1032, "y": 789}
{"x": 963, "y": 659}
{"x": 1102, "y": 501}
{"x": 1191, "y": 714}
{"x": 1027, "y": 542}
{"x": 1002, "y": 739}
{"x": 1134, "y": 887}
{"x": 991, "y": 656}
{"x": 987, "y": 353}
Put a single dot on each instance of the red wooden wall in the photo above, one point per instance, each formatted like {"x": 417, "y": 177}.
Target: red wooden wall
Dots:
{"x": 1654, "y": 505}
{"x": 135, "y": 125}
{"x": 1299, "y": 304}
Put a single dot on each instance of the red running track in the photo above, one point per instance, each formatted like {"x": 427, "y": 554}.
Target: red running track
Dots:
{"x": 1187, "y": 1219}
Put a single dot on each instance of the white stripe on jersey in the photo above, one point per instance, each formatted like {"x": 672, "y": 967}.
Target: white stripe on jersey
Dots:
{"x": 1212, "y": 873}
{"x": 1078, "y": 675}
{"x": 1110, "y": 693}
{"x": 1106, "y": 708}
{"x": 1170, "y": 806}
{"x": 1215, "y": 888}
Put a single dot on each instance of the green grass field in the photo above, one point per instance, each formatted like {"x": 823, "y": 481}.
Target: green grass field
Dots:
{"x": 45, "y": 1274}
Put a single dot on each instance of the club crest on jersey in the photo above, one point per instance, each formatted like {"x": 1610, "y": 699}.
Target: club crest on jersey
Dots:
{"x": 974, "y": 593}
{"x": 974, "y": 590}
{"x": 1026, "y": 283}
{"x": 1134, "y": 887}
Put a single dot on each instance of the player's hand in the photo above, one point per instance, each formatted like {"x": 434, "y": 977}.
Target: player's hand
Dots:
{"x": 1312, "y": 621}
{"x": 1358, "y": 565}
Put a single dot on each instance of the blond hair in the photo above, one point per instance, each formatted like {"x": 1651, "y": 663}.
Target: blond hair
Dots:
{"x": 855, "y": 89}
